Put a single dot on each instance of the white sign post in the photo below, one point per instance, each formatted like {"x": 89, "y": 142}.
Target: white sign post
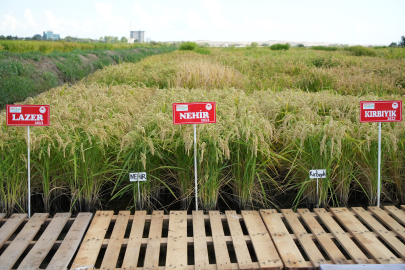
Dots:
{"x": 317, "y": 174}
{"x": 138, "y": 177}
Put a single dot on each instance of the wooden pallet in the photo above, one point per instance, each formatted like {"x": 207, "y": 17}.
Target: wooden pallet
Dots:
{"x": 177, "y": 241}
{"x": 308, "y": 239}
{"x": 27, "y": 244}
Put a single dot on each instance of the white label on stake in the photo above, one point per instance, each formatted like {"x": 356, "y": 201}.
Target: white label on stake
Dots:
{"x": 317, "y": 173}
{"x": 133, "y": 177}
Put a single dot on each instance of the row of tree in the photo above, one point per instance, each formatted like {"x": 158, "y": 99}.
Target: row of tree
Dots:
{"x": 400, "y": 43}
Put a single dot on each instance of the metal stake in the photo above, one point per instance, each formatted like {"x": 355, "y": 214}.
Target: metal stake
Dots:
{"x": 29, "y": 174}
{"x": 139, "y": 195}
{"x": 195, "y": 168}
{"x": 317, "y": 196}
{"x": 379, "y": 165}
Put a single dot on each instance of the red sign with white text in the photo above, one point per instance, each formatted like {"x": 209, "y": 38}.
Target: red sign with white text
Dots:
{"x": 28, "y": 115}
{"x": 194, "y": 113}
{"x": 381, "y": 111}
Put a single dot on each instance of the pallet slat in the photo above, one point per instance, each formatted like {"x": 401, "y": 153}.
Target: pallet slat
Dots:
{"x": 20, "y": 243}
{"x": 379, "y": 229}
{"x": 70, "y": 243}
{"x": 286, "y": 247}
{"x": 44, "y": 244}
{"x": 265, "y": 250}
{"x": 364, "y": 236}
{"x": 326, "y": 242}
{"x": 343, "y": 238}
{"x": 303, "y": 237}
{"x": 2, "y": 215}
{"x": 114, "y": 247}
{"x": 239, "y": 243}
{"x": 398, "y": 213}
{"x": 388, "y": 220}
{"x": 134, "y": 242}
{"x": 10, "y": 226}
{"x": 221, "y": 249}
{"x": 91, "y": 245}
{"x": 200, "y": 245}
{"x": 176, "y": 257}
{"x": 153, "y": 248}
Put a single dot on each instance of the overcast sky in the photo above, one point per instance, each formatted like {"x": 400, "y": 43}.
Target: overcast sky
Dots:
{"x": 343, "y": 21}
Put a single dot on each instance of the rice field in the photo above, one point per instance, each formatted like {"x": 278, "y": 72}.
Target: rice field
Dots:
{"x": 279, "y": 114}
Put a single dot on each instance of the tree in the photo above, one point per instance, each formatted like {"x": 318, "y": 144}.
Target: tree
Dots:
{"x": 393, "y": 45}
{"x": 254, "y": 45}
{"x": 402, "y": 42}
{"x": 124, "y": 40}
{"x": 9, "y": 37}
{"x": 300, "y": 45}
{"x": 116, "y": 40}
{"x": 2, "y": 37}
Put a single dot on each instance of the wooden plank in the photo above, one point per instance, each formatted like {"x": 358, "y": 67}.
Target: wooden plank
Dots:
{"x": 286, "y": 246}
{"x": 2, "y": 215}
{"x": 366, "y": 238}
{"x": 239, "y": 243}
{"x": 20, "y": 243}
{"x": 134, "y": 243}
{"x": 342, "y": 237}
{"x": 153, "y": 247}
{"x": 326, "y": 242}
{"x": 313, "y": 253}
{"x": 176, "y": 256}
{"x": 265, "y": 250}
{"x": 397, "y": 213}
{"x": 91, "y": 245}
{"x": 388, "y": 220}
{"x": 200, "y": 245}
{"x": 221, "y": 250}
{"x": 113, "y": 249}
{"x": 380, "y": 230}
{"x": 10, "y": 226}
{"x": 38, "y": 253}
{"x": 70, "y": 243}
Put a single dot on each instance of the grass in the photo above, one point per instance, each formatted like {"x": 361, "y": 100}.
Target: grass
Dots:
{"x": 22, "y": 74}
{"x": 18, "y": 46}
{"x": 279, "y": 114}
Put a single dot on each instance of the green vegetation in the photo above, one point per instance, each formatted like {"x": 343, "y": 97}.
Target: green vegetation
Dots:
{"x": 20, "y": 77}
{"x": 18, "y": 46}
{"x": 188, "y": 46}
{"x": 360, "y": 51}
{"x": 324, "y": 48}
{"x": 279, "y": 114}
{"x": 278, "y": 47}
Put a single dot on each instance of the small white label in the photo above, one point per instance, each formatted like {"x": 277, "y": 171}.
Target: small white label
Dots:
{"x": 317, "y": 173}
{"x": 368, "y": 106}
{"x": 134, "y": 177}
{"x": 182, "y": 108}
{"x": 15, "y": 109}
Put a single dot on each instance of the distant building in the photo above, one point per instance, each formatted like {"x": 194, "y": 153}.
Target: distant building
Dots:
{"x": 137, "y": 35}
{"x": 50, "y": 35}
{"x": 148, "y": 39}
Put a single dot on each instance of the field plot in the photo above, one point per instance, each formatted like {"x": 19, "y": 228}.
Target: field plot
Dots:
{"x": 279, "y": 114}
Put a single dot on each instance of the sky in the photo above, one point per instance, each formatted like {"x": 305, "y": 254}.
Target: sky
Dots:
{"x": 347, "y": 22}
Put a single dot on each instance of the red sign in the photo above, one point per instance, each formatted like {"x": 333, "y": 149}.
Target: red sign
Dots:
{"x": 28, "y": 115}
{"x": 194, "y": 113}
{"x": 381, "y": 111}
